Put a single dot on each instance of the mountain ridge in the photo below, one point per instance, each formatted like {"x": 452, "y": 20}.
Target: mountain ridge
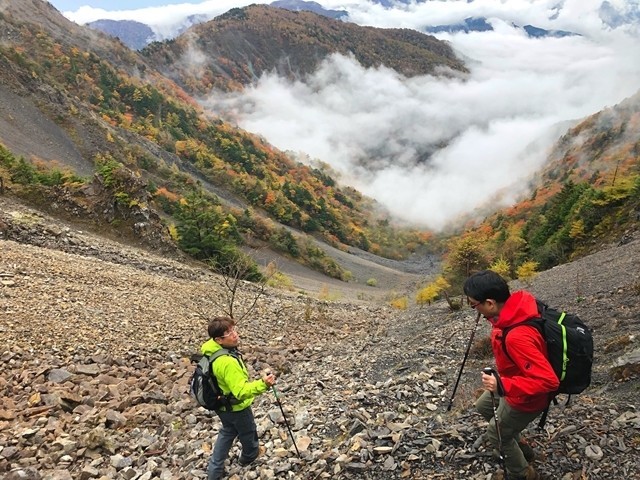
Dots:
{"x": 244, "y": 43}
{"x": 135, "y": 35}
{"x": 612, "y": 16}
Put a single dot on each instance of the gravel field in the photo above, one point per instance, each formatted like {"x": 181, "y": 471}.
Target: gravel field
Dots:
{"x": 98, "y": 337}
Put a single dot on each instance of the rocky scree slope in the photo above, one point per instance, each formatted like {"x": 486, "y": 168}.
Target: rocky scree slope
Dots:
{"x": 96, "y": 359}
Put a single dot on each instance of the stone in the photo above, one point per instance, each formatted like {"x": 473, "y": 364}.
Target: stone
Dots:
{"x": 359, "y": 383}
{"x": 59, "y": 375}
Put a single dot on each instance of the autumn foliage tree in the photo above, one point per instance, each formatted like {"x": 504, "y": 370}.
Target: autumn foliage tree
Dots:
{"x": 207, "y": 233}
{"x": 502, "y": 267}
{"x": 465, "y": 254}
{"x": 432, "y": 291}
{"x": 527, "y": 271}
{"x": 427, "y": 294}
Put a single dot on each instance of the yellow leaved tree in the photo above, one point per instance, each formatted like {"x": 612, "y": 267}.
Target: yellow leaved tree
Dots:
{"x": 527, "y": 271}
{"x": 502, "y": 267}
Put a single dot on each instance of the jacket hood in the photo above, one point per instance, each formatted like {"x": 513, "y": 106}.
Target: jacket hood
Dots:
{"x": 209, "y": 347}
{"x": 520, "y": 306}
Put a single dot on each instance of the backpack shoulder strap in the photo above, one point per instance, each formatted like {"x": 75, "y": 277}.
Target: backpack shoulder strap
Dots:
{"x": 536, "y": 322}
{"x": 220, "y": 353}
{"x": 229, "y": 399}
{"x": 207, "y": 360}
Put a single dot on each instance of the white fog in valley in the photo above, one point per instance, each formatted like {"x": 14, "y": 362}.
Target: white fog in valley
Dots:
{"x": 497, "y": 124}
{"x": 433, "y": 148}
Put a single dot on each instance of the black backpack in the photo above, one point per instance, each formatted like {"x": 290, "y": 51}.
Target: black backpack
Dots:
{"x": 204, "y": 386}
{"x": 569, "y": 348}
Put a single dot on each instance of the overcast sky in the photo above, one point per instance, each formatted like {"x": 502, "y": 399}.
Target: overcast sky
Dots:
{"x": 109, "y": 5}
{"x": 499, "y": 122}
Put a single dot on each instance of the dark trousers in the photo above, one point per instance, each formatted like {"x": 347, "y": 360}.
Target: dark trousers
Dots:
{"x": 234, "y": 424}
{"x": 511, "y": 422}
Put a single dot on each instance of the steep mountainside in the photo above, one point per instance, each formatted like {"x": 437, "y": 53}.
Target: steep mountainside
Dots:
{"x": 600, "y": 146}
{"x": 235, "y": 48}
{"x": 44, "y": 116}
{"x": 78, "y": 103}
{"x": 37, "y": 15}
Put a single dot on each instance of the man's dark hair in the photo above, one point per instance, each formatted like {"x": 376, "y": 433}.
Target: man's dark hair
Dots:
{"x": 219, "y": 325}
{"x": 485, "y": 285}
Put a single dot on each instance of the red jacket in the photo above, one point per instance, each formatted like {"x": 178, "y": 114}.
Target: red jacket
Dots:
{"x": 527, "y": 377}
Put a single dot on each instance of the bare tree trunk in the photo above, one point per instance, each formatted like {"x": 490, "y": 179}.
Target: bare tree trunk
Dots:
{"x": 233, "y": 286}
{"x": 454, "y": 306}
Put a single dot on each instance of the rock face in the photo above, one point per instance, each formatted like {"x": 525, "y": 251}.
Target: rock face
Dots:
{"x": 96, "y": 357}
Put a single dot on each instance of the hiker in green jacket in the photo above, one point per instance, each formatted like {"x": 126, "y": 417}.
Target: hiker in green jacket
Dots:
{"x": 233, "y": 379}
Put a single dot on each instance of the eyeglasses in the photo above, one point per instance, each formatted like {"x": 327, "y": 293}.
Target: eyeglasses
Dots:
{"x": 232, "y": 331}
{"x": 474, "y": 305}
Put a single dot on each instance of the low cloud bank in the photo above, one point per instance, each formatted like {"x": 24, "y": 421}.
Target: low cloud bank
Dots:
{"x": 429, "y": 148}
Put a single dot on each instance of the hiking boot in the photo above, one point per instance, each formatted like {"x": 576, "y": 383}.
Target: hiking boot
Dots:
{"x": 243, "y": 463}
{"x": 528, "y": 452}
{"x": 530, "y": 474}
{"x": 261, "y": 451}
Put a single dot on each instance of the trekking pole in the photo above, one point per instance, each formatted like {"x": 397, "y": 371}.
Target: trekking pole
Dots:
{"x": 293, "y": 439}
{"x": 491, "y": 371}
{"x": 464, "y": 360}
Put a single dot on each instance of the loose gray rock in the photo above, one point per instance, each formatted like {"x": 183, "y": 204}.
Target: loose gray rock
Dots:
{"x": 365, "y": 387}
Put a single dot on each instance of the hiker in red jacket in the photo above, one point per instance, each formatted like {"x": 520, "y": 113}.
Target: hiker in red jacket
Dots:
{"x": 524, "y": 379}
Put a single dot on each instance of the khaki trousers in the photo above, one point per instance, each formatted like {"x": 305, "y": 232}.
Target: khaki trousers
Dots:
{"x": 511, "y": 422}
